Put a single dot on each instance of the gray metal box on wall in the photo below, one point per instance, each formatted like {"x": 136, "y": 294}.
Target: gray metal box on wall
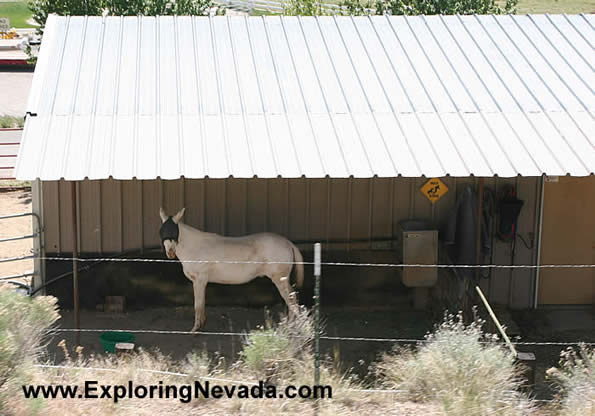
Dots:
{"x": 418, "y": 244}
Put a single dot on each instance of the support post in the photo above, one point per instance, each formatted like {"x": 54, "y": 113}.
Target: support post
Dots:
{"x": 75, "y": 272}
{"x": 476, "y": 272}
{"x": 479, "y": 224}
{"x": 317, "y": 270}
{"x": 538, "y": 239}
{"x": 38, "y": 279}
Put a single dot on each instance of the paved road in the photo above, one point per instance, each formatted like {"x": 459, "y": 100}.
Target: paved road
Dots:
{"x": 14, "y": 91}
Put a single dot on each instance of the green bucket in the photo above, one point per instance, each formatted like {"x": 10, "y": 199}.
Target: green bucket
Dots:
{"x": 110, "y": 339}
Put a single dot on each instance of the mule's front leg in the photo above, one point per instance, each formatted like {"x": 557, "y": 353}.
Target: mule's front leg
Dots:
{"x": 200, "y": 285}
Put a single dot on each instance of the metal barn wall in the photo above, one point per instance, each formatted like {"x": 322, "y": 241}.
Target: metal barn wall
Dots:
{"x": 124, "y": 215}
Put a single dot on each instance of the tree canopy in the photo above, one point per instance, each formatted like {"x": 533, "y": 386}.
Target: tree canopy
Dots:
{"x": 402, "y": 7}
{"x": 427, "y": 7}
{"x": 41, "y": 9}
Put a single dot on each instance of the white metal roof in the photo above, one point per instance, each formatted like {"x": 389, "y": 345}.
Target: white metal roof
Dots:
{"x": 166, "y": 97}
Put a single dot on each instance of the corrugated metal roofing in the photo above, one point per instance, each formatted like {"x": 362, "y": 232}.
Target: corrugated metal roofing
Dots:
{"x": 166, "y": 97}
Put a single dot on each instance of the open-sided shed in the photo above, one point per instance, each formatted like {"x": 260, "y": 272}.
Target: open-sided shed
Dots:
{"x": 318, "y": 128}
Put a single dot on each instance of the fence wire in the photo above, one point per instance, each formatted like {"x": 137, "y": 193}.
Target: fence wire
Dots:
{"x": 330, "y": 338}
{"x": 323, "y": 337}
{"x": 338, "y": 264}
{"x": 311, "y": 263}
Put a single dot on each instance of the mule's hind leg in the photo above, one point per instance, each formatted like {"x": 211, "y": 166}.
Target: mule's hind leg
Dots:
{"x": 285, "y": 290}
{"x": 200, "y": 285}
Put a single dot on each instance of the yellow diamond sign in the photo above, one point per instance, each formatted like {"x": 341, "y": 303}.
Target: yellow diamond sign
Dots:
{"x": 433, "y": 189}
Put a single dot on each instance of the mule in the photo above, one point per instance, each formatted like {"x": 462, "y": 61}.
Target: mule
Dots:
{"x": 189, "y": 244}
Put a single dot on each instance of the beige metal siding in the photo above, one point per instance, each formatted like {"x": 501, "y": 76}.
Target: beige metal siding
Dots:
{"x": 195, "y": 198}
{"x": 111, "y": 216}
{"x": 90, "y": 216}
{"x": 150, "y": 212}
{"x": 568, "y": 237}
{"x": 297, "y": 208}
{"x": 124, "y": 215}
{"x": 65, "y": 215}
{"x": 51, "y": 221}
{"x": 132, "y": 206}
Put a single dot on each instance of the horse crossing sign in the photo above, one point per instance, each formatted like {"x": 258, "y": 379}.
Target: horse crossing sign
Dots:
{"x": 433, "y": 189}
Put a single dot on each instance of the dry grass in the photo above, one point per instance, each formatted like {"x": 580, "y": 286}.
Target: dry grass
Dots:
{"x": 297, "y": 369}
{"x": 128, "y": 368}
{"x": 454, "y": 373}
{"x": 556, "y": 6}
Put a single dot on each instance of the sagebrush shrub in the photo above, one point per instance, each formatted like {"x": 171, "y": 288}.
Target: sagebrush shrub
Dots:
{"x": 575, "y": 381}
{"x": 460, "y": 368}
{"x": 275, "y": 350}
{"x": 24, "y": 322}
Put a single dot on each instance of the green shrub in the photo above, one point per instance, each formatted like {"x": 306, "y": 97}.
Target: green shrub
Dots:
{"x": 276, "y": 350}
{"x": 459, "y": 368}
{"x": 6, "y": 122}
{"x": 575, "y": 381}
{"x": 304, "y": 8}
{"x": 265, "y": 347}
{"x": 41, "y": 9}
{"x": 427, "y": 7}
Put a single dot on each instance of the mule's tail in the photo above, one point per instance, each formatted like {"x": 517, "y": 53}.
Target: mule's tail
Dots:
{"x": 298, "y": 268}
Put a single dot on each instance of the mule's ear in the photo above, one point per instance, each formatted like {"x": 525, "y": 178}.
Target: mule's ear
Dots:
{"x": 179, "y": 215}
{"x": 162, "y": 215}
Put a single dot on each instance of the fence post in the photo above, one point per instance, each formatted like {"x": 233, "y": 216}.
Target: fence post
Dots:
{"x": 317, "y": 259}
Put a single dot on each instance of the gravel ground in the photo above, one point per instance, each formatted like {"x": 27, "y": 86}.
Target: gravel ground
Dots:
{"x": 15, "y": 202}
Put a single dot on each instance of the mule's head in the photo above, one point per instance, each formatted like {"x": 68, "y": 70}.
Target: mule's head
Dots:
{"x": 170, "y": 232}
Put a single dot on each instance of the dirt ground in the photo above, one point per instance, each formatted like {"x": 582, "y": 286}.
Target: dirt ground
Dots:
{"x": 15, "y": 202}
{"x": 342, "y": 322}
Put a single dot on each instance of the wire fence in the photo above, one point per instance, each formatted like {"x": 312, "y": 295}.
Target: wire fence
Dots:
{"x": 318, "y": 335}
{"x": 325, "y": 337}
{"x": 307, "y": 263}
